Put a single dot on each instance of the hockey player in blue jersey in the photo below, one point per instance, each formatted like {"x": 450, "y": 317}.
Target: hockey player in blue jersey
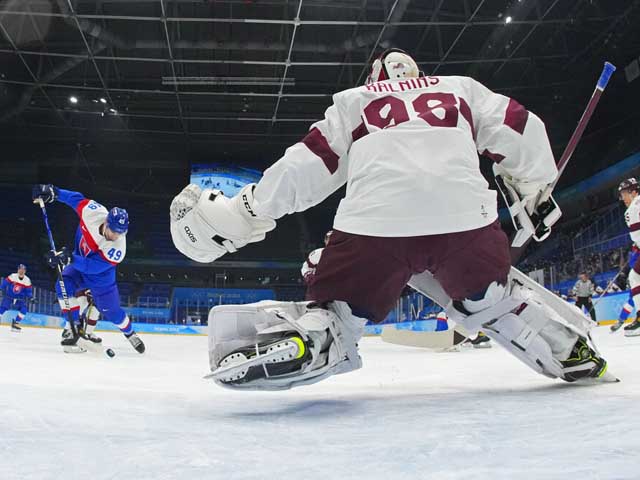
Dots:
{"x": 17, "y": 291}
{"x": 99, "y": 246}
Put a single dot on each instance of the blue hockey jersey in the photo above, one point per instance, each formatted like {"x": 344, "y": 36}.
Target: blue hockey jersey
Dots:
{"x": 17, "y": 288}
{"x": 93, "y": 254}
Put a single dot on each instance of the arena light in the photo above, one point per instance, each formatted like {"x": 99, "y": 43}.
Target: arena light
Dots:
{"x": 103, "y": 100}
{"x": 73, "y": 99}
{"x": 266, "y": 81}
{"x": 508, "y": 20}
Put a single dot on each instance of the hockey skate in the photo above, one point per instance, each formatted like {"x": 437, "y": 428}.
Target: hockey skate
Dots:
{"x": 93, "y": 338}
{"x": 616, "y": 326}
{"x": 274, "y": 356}
{"x": 633, "y": 329}
{"x": 15, "y": 327}
{"x": 136, "y": 342}
{"x": 586, "y": 365}
{"x": 481, "y": 341}
{"x": 71, "y": 342}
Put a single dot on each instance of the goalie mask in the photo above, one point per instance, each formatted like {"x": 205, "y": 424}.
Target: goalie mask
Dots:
{"x": 393, "y": 64}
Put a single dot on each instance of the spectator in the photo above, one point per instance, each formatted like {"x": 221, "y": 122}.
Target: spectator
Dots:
{"x": 584, "y": 288}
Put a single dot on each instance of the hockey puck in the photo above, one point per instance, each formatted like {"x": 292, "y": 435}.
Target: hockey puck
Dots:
{"x": 110, "y": 353}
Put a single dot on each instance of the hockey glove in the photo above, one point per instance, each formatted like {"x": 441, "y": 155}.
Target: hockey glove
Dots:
{"x": 533, "y": 210}
{"x": 205, "y": 224}
{"x": 61, "y": 258}
{"x": 48, "y": 193}
{"x": 529, "y": 192}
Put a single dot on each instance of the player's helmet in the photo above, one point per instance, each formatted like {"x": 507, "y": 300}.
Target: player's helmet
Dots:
{"x": 118, "y": 220}
{"x": 629, "y": 184}
{"x": 22, "y": 266}
{"x": 393, "y": 64}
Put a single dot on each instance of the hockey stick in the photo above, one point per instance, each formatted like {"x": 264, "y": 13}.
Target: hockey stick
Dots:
{"x": 609, "y": 285}
{"x": 548, "y": 205}
{"x": 65, "y": 297}
{"x": 63, "y": 290}
{"x": 431, "y": 340}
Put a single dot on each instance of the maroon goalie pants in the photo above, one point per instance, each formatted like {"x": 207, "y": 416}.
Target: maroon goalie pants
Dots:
{"x": 369, "y": 273}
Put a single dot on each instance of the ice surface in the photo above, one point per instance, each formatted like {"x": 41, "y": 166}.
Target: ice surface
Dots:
{"x": 408, "y": 414}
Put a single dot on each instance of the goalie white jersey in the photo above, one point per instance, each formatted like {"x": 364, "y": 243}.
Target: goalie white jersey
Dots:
{"x": 417, "y": 140}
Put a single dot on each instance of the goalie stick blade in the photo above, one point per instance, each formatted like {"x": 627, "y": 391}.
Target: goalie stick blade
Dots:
{"x": 238, "y": 364}
{"x": 430, "y": 340}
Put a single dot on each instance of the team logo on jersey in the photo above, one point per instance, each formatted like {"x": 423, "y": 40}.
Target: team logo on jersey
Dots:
{"x": 17, "y": 288}
{"x": 84, "y": 247}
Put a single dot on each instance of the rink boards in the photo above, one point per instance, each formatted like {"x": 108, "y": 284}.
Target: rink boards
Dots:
{"x": 51, "y": 321}
{"x": 607, "y": 310}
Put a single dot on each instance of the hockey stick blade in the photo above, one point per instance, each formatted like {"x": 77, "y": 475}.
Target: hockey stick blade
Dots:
{"x": 97, "y": 348}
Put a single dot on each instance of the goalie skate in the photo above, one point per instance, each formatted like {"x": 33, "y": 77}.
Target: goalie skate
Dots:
{"x": 585, "y": 365}
{"x": 272, "y": 359}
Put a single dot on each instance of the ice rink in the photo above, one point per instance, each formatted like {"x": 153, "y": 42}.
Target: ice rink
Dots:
{"x": 408, "y": 414}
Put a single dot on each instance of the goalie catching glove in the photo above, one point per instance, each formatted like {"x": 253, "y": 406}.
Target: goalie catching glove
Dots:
{"x": 205, "y": 224}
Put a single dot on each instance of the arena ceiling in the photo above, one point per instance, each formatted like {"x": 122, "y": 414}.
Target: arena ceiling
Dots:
{"x": 165, "y": 82}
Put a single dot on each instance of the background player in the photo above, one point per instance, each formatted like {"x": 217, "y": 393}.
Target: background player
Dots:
{"x": 416, "y": 204}
{"x": 629, "y": 194}
{"x": 100, "y": 245}
{"x": 17, "y": 291}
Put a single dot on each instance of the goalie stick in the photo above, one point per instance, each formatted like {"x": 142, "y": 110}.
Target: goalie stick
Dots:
{"x": 440, "y": 341}
{"x": 541, "y": 229}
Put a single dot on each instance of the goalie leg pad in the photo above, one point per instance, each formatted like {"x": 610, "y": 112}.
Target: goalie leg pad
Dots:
{"x": 531, "y": 336}
{"x": 523, "y": 317}
{"x": 329, "y": 334}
